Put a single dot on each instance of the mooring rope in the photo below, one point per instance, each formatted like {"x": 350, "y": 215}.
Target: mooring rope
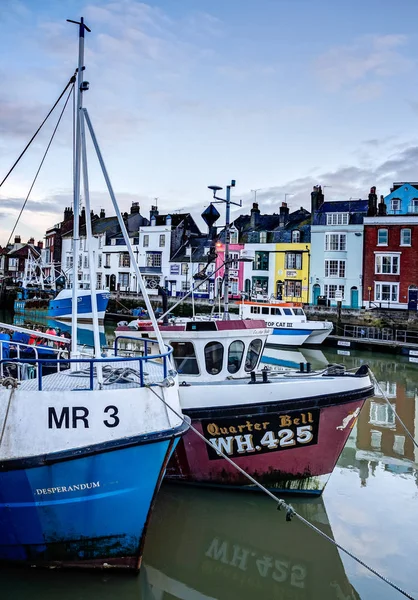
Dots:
{"x": 290, "y": 511}
{"x": 384, "y": 395}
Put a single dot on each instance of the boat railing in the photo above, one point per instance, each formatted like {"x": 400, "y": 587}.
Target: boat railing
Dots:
{"x": 21, "y": 347}
{"x": 87, "y": 366}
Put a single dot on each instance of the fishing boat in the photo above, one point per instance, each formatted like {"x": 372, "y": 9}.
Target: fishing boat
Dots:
{"x": 285, "y": 429}
{"x": 84, "y": 442}
{"x": 289, "y": 324}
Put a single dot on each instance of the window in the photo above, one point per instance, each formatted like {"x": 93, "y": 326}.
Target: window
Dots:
{"x": 387, "y": 263}
{"x": 100, "y": 241}
{"x": 335, "y": 268}
{"x": 185, "y": 286}
{"x": 406, "y": 237}
{"x": 124, "y": 279}
{"x": 80, "y": 261}
{"x": 386, "y": 292}
{"x": 255, "y": 310}
{"x": 260, "y": 285}
{"x": 261, "y": 261}
{"x": 145, "y": 242}
{"x": 381, "y": 415}
{"x": 184, "y": 268}
{"x": 99, "y": 261}
{"x": 265, "y": 310}
{"x": 276, "y": 311}
{"x": 153, "y": 259}
{"x": 399, "y": 444}
{"x": 233, "y": 289}
{"x": 335, "y": 241}
{"x": 162, "y": 241}
{"x": 253, "y": 354}
{"x": 382, "y": 237}
{"x": 293, "y": 260}
{"x": 292, "y": 288}
{"x": 107, "y": 260}
{"x": 233, "y": 235}
{"x": 124, "y": 259}
{"x": 295, "y": 237}
{"x": 413, "y": 207}
{"x": 86, "y": 262}
{"x": 338, "y": 218}
{"x": 330, "y": 291}
{"x": 69, "y": 262}
{"x": 235, "y": 356}
{"x": 185, "y": 359}
{"x": 234, "y": 256}
{"x": 395, "y": 205}
{"x": 263, "y": 237}
{"x": 214, "y": 356}
{"x": 375, "y": 439}
{"x": 98, "y": 281}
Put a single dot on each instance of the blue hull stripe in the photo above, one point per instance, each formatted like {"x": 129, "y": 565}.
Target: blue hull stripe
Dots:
{"x": 63, "y": 307}
{"x": 284, "y": 331}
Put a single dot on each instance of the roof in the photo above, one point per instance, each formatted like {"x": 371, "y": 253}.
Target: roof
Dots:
{"x": 357, "y": 209}
{"x": 198, "y": 246}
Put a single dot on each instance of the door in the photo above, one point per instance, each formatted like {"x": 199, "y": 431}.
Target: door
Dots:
{"x": 412, "y": 297}
{"x": 112, "y": 283}
{"x": 316, "y": 293}
{"x": 354, "y": 297}
{"x": 174, "y": 288}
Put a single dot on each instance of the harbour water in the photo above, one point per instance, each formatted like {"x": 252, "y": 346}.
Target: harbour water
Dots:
{"x": 205, "y": 544}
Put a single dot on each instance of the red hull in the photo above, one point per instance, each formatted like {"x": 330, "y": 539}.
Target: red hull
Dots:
{"x": 296, "y": 467}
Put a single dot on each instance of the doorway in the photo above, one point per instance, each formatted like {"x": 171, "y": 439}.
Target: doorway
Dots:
{"x": 412, "y": 297}
{"x": 354, "y": 297}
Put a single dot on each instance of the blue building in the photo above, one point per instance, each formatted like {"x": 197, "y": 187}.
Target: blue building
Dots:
{"x": 403, "y": 199}
{"x": 336, "y": 251}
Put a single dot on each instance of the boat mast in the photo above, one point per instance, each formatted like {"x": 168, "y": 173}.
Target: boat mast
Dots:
{"x": 76, "y": 199}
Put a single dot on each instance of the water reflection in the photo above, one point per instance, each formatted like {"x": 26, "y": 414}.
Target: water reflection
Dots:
{"x": 205, "y": 544}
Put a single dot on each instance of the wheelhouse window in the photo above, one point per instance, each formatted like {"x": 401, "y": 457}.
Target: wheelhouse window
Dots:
{"x": 406, "y": 237}
{"x": 265, "y": 310}
{"x": 184, "y": 355}
{"x": 276, "y": 311}
{"x": 387, "y": 264}
{"x": 255, "y": 310}
{"x": 335, "y": 242}
{"x": 214, "y": 356}
{"x": 253, "y": 354}
{"x": 382, "y": 237}
{"x": 235, "y": 356}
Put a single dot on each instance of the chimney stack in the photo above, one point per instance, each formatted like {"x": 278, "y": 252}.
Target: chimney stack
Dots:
{"x": 382, "y": 207}
{"x": 17, "y": 239}
{"x": 255, "y": 215}
{"x": 31, "y": 241}
{"x": 284, "y": 212}
{"x": 153, "y": 212}
{"x": 40, "y": 244}
{"x": 372, "y": 208}
{"x": 135, "y": 208}
{"x": 317, "y": 198}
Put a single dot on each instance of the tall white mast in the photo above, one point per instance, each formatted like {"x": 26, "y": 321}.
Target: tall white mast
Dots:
{"x": 76, "y": 199}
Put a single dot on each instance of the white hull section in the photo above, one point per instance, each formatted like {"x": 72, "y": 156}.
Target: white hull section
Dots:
{"x": 279, "y": 337}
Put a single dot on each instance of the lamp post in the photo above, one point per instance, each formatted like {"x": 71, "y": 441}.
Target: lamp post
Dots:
{"x": 228, "y": 202}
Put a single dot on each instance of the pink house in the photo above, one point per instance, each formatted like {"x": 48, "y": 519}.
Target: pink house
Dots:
{"x": 236, "y": 271}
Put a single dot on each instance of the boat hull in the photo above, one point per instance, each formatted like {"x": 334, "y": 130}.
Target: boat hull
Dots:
{"x": 61, "y": 306}
{"x": 89, "y": 511}
{"x": 264, "y": 440}
{"x": 284, "y": 336}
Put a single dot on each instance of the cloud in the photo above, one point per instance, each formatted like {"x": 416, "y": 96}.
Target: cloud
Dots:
{"x": 368, "y": 60}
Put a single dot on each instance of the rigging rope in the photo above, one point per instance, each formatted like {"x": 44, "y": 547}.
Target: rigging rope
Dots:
{"x": 40, "y": 166}
{"x": 290, "y": 512}
{"x": 71, "y": 81}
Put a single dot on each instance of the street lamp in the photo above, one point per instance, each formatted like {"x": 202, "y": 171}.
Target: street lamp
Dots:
{"x": 228, "y": 202}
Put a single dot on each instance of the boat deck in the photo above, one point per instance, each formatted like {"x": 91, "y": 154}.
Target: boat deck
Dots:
{"x": 116, "y": 376}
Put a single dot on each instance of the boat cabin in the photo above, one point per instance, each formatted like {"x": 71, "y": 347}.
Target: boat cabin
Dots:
{"x": 210, "y": 350}
{"x": 287, "y": 312}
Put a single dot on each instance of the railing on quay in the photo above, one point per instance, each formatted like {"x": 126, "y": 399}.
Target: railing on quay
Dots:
{"x": 384, "y": 334}
{"x": 56, "y": 364}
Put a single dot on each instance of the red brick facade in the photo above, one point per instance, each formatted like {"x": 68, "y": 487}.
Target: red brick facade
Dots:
{"x": 390, "y": 261}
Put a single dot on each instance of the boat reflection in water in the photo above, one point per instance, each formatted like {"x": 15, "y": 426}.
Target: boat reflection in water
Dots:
{"x": 215, "y": 544}
{"x": 84, "y": 330}
{"x": 207, "y": 544}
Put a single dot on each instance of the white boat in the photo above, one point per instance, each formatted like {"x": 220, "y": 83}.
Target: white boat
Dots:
{"x": 289, "y": 324}
{"x": 84, "y": 440}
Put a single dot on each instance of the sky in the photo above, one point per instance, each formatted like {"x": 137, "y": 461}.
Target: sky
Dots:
{"x": 279, "y": 95}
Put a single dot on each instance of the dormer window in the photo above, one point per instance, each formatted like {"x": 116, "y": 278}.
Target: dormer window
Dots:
{"x": 395, "y": 205}
{"x": 295, "y": 237}
{"x": 233, "y": 235}
{"x": 263, "y": 237}
{"x": 338, "y": 218}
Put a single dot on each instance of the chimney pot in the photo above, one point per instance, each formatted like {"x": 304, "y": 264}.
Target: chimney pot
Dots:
{"x": 102, "y": 213}
{"x": 17, "y": 239}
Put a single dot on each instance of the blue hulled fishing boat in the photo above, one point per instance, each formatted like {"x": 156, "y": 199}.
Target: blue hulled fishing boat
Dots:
{"x": 84, "y": 438}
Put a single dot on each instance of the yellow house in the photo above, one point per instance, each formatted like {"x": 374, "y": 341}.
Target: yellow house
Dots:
{"x": 292, "y": 271}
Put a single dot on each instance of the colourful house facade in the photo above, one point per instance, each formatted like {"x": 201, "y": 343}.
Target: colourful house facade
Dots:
{"x": 236, "y": 270}
{"x": 292, "y": 271}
